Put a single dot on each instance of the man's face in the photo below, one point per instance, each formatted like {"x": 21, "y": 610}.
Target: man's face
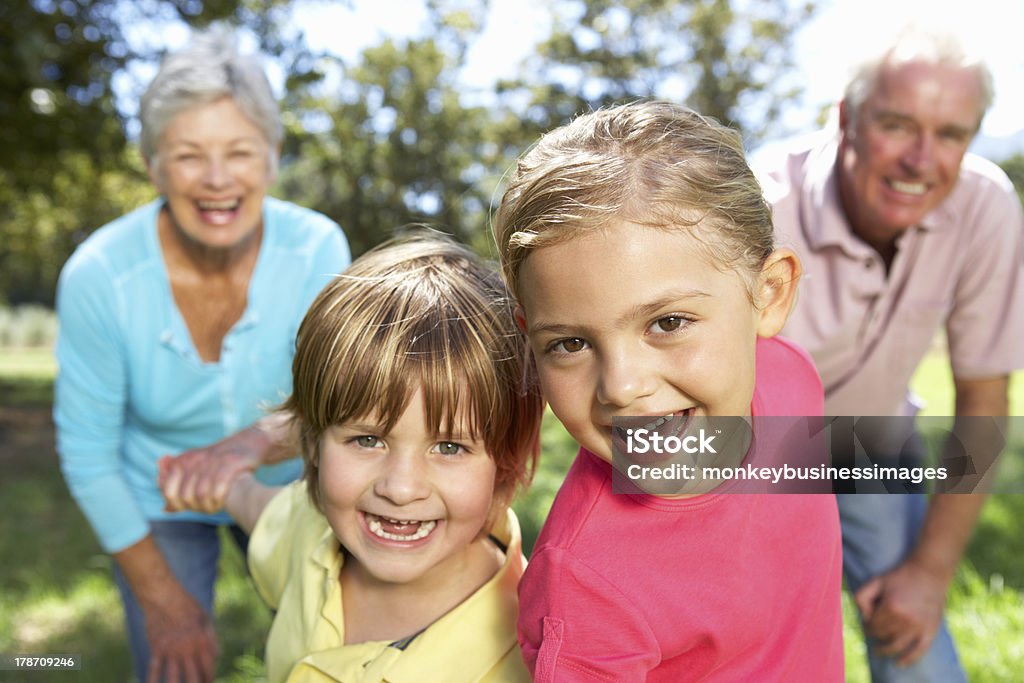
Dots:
{"x": 899, "y": 156}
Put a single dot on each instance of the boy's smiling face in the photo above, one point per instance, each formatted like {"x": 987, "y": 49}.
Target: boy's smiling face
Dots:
{"x": 630, "y": 320}
{"x": 409, "y": 506}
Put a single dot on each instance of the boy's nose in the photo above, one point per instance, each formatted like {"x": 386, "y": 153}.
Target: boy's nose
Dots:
{"x": 403, "y": 479}
{"x": 623, "y": 380}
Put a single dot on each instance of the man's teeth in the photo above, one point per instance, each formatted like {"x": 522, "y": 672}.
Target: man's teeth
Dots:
{"x": 908, "y": 188}
{"x": 224, "y": 205}
{"x": 374, "y": 523}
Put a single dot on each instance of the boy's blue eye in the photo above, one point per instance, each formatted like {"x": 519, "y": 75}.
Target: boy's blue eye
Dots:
{"x": 449, "y": 448}
{"x": 366, "y": 441}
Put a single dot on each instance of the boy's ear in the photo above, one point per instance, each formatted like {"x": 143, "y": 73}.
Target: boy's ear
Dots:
{"x": 520, "y": 317}
{"x": 776, "y": 291}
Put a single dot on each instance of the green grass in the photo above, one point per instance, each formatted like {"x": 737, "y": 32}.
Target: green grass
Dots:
{"x": 57, "y": 595}
{"x": 35, "y": 363}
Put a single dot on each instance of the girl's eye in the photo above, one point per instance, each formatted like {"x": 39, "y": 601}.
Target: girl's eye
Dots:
{"x": 670, "y": 323}
{"x": 449, "y": 448}
{"x": 571, "y": 345}
{"x": 366, "y": 441}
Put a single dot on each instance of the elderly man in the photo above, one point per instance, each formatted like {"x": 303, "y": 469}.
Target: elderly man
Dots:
{"x": 901, "y": 233}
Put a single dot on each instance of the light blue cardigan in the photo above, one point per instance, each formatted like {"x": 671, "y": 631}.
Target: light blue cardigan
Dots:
{"x": 131, "y": 386}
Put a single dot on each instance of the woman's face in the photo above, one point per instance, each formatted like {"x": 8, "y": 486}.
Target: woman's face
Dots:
{"x": 212, "y": 165}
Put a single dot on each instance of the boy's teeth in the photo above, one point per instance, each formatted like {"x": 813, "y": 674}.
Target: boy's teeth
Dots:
{"x": 377, "y": 528}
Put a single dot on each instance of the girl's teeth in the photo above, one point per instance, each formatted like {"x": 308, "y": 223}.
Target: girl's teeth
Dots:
{"x": 374, "y": 523}
{"x": 657, "y": 423}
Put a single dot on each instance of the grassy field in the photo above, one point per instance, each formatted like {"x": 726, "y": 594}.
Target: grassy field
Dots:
{"x": 57, "y": 595}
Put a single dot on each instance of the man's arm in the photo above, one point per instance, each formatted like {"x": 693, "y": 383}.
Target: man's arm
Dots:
{"x": 903, "y": 607}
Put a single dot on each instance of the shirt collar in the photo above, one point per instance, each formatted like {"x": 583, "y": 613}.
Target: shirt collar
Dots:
{"x": 452, "y": 644}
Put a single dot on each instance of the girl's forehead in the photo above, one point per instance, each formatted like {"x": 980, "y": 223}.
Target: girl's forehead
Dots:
{"x": 626, "y": 268}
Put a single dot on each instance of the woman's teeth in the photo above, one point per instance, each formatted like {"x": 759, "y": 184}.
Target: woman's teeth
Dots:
{"x": 223, "y": 205}
{"x": 376, "y": 526}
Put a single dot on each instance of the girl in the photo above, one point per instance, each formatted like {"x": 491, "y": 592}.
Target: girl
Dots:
{"x": 397, "y": 557}
{"x": 640, "y": 250}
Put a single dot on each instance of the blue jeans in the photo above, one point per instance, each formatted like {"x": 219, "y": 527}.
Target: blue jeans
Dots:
{"x": 192, "y": 550}
{"x": 879, "y": 531}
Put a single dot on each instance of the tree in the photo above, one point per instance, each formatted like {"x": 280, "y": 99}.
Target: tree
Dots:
{"x": 394, "y": 144}
{"x": 66, "y": 166}
{"x": 724, "y": 58}
{"x": 1014, "y": 167}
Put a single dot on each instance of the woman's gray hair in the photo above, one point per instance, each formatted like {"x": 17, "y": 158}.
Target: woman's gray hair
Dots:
{"x": 208, "y": 68}
{"x": 930, "y": 46}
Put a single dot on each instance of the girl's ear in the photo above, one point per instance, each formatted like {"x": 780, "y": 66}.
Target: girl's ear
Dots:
{"x": 776, "y": 291}
{"x": 520, "y": 318}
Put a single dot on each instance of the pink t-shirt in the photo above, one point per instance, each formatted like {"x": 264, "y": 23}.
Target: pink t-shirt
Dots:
{"x": 961, "y": 269}
{"x": 718, "y": 587}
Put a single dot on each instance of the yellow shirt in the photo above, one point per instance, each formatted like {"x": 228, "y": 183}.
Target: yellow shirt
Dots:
{"x": 295, "y": 561}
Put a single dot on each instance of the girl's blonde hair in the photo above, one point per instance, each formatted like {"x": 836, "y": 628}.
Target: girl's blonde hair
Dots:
{"x": 420, "y": 311}
{"x": 649, "y": 162}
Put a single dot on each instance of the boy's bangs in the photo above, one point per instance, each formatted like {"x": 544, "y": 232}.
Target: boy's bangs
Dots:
{"x": 430, "y": 347}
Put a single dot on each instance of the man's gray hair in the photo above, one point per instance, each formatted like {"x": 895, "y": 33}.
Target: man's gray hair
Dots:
{"x": 930, "y": 46}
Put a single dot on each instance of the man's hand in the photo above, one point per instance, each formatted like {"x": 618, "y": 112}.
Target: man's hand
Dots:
{"x": 902, "y": 610}
{"x": 182, "y": 642}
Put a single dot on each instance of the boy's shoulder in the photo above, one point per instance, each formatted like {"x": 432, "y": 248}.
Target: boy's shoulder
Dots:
{"x": 787, "y": 381}
{"x": 289, "y": 532}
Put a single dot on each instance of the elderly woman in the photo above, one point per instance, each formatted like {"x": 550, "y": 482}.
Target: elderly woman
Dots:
{"x": 177, "y": 326}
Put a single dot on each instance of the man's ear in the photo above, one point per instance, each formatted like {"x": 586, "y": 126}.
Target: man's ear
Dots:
{"x": 777, "y": 291}
{"x": 520, "y": 317}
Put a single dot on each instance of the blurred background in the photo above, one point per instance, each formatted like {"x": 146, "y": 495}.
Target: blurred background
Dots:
{"x": 398, "y": 112}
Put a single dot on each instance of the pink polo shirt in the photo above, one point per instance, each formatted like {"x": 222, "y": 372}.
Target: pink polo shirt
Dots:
{"x": 962, "y": 269}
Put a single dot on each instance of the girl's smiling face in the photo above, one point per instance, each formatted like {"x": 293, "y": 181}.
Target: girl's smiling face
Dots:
{"x": 408, "y": 506}
{"x": 630, "y": 321}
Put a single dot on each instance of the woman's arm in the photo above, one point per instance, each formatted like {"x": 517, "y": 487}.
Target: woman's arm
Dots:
{"x": 200, "y": 478}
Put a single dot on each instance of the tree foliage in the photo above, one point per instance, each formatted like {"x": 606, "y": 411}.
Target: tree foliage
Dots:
{"x": 388, "y": 138}
{"x": 1014, "y": 167}
{"x": 724, "y": 58}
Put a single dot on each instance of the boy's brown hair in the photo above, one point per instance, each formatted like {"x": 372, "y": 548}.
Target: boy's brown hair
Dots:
{"x": 419, "y": 311}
